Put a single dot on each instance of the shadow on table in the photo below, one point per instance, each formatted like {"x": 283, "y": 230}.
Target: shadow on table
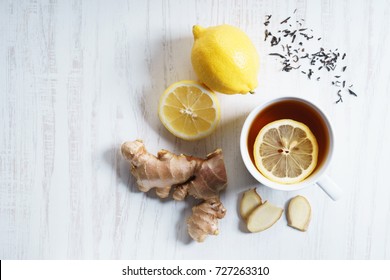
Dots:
{"x": 170, "y": 63}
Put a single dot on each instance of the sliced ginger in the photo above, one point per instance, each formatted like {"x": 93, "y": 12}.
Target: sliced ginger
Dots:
{"x": 299, "y": 213}
{"x": 260, "y": 216}
{"x": 250, "y": 200}
{"x": 263, "y": 217}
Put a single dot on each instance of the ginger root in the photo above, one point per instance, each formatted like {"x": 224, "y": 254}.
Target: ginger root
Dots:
{"x": 204, "y": 219}
{"x": 201, "y": 178}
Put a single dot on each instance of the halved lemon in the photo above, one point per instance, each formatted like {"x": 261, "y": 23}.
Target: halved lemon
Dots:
{"x": 286, "y": 151}
{"x": 189, "y": 110}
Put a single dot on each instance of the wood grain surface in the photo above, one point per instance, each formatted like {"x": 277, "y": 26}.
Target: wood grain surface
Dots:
{"x": 77, "y": 78}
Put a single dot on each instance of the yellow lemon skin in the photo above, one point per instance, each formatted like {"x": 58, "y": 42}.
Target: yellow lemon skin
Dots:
{"x": 225, "y": 59}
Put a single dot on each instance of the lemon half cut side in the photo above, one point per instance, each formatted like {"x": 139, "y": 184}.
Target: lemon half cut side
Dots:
{"x": 189, "y": 110}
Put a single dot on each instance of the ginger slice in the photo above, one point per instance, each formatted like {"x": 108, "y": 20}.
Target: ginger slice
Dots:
{"x": 263, "y": 217}
{"x": 299, "y": 213}
{"x": 249, "y": 201}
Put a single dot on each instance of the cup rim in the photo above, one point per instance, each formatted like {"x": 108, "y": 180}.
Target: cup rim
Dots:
{"x": 252, "y": 168}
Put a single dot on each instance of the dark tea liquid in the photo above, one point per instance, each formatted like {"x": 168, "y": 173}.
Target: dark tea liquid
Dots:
{"x": 298, "y": 111}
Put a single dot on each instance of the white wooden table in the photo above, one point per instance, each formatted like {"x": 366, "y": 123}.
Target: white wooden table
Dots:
{"x": 80, "y": 77}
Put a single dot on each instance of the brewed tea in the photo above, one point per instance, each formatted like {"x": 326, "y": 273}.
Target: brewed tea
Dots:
{"x": 298, "y": 111}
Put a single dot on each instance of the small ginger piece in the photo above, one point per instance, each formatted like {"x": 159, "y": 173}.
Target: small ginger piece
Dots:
{"x": 249, "y": 201}
{"x": 263, "y": 217}
{"x": 204, "y": 219}
{"x": 201, "y": 178}
{"x": 299, "y": 213}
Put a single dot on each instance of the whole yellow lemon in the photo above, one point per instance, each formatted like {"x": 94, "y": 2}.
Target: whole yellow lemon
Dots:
{"x": 225, "y": 59}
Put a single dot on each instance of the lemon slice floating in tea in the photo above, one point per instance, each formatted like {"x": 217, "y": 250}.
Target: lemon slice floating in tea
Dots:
{"x": 286, "y": 151}
{"x": 189, "y": 110}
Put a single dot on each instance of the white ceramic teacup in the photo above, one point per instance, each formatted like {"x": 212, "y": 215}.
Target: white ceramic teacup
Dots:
{"x": 318, "y": 176}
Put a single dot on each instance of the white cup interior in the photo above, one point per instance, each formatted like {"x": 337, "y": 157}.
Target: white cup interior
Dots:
{"x": 314, "y": 177}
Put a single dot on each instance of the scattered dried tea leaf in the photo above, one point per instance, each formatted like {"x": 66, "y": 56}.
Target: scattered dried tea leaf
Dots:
{"x": 312, "y": 56}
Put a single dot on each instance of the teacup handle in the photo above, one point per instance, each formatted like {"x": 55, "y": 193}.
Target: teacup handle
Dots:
{"x": 330, "y": 187}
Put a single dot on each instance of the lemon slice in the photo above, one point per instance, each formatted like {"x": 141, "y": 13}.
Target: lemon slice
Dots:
{"x": 286, "y": 151}
{"x": 189, "y": 110}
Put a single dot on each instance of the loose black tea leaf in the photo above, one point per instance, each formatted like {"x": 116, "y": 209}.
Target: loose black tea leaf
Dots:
{"x": 267, "y": 33}
{"x": 275, "y": 41}
{"x": 288, "y": 50}
{"x": 277, "y": 54}
{"x": 285, "y": 21}
{"x": 293, "y": 39}
{"x": 351, "y": 92}
{"x": 267, "y": 18}
{"x": 340, "y": 97}
{"x": 310, "y": 73}
{"x": 336, "y": 83}
{"x": 308, "y": 37}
